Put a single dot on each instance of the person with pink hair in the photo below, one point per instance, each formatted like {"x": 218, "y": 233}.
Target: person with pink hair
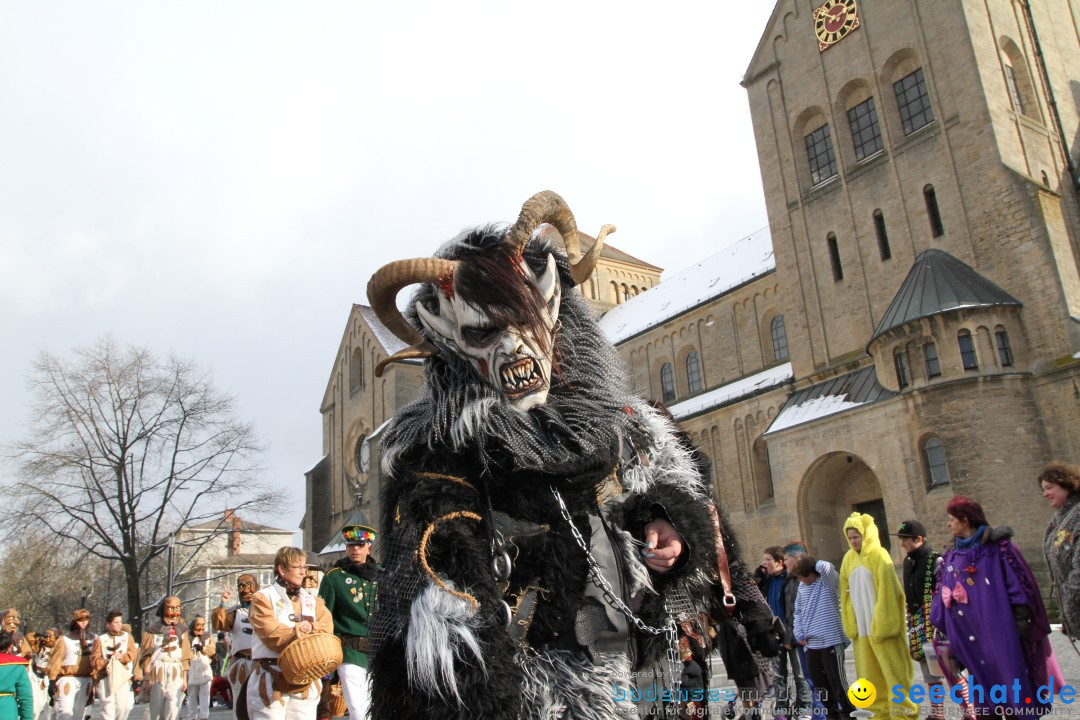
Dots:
{"x": 989, "y": 607}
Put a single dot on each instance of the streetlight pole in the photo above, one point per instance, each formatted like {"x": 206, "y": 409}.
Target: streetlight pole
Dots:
{"x": 169, "y": 570}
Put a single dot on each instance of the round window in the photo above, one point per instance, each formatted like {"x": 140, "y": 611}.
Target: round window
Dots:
{"x": 363, "y": 454}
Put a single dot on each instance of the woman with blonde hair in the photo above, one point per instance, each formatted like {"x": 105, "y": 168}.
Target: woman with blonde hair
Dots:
{"x": 1060, "y": 485}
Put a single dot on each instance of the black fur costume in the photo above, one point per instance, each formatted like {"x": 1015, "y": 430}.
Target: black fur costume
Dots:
{"x": 464, "y": 464}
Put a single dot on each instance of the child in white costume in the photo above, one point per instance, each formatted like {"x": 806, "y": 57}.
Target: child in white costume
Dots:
{"x": 200, "y": 675}
{"x": 112, "y": 660}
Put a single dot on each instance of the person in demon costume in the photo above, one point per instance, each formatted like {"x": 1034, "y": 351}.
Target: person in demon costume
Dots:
{"x": 542, "y": 524}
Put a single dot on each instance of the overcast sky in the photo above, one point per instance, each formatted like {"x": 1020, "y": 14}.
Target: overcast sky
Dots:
{"x": 220, "y": 179}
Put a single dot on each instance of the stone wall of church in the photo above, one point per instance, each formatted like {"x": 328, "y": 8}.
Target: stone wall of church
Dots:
{"x": 993, "y": 173}
{"x": 994, "y": 447}
{"x": 731, "y": 335}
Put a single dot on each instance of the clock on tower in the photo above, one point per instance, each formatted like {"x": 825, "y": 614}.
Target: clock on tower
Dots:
{"x": 833, "y": 21}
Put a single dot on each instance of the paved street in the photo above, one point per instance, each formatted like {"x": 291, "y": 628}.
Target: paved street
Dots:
{"x": 1067, "y": 658}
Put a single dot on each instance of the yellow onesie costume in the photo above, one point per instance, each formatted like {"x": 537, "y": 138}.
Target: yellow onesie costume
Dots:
{"x": 872, "y": 607}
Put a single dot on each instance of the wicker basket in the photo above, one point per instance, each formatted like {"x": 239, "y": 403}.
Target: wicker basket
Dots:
{"x": 336, "y": 701}
{"x": 309, "y": 658}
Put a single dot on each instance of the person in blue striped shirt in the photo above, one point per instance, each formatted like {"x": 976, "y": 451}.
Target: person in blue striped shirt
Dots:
{"x": 820, "y": 631}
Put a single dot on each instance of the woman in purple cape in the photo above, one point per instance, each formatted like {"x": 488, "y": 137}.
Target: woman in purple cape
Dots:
{"x": 990, "y": 608}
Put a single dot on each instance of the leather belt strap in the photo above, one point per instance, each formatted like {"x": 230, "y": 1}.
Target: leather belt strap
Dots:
{"x": 722, "y": 559}
{"x": 355, "y": 642}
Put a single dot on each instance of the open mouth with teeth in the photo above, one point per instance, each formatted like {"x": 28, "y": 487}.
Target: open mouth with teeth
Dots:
{"x": 520, "y": 377}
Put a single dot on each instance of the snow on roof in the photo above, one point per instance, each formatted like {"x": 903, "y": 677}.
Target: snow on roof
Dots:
{"x": 726, "y": 393}
{"x": 813, "y": 409}
{"x": 390, "y": 342}
{"x": 736, "y": 264}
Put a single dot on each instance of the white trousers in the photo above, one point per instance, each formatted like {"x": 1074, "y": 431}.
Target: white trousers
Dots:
{"x": 167, "y": 692}
{"x": 354, "y": 684}
{"x": 40, "y": 689}
{"x": 300, "y": 706}
{"x": 116, "y": 707}
{"x": 71, "y": 695}
{"x": 198, "y": 701}
{"x": 236, "y": 673}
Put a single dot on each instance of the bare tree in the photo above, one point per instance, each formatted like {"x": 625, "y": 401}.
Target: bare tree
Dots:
{"x": 45, "y": 580}
{"x": 123, "y": 449}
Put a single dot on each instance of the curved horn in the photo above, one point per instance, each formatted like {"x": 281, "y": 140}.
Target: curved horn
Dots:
{"x": 382, "y": 291}
{"x": 549, "y": 207}
{"x": 582, "y": 269}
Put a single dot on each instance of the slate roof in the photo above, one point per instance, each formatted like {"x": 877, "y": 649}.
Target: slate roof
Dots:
{"x": 840, "y": 393}
{"x": 937, "y": 283}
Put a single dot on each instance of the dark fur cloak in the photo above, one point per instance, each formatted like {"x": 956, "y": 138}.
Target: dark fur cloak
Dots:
{"x": 464, "y": 464}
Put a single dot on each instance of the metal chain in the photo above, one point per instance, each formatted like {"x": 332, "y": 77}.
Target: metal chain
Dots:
{"x": 596, "y": 576}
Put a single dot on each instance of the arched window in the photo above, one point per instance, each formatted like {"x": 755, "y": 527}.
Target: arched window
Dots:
{"x": 667, "y": 382}
{"x": 932, "y": 211}
{"x": 819, "y": 153}
{"x": 967, "y": 350}
{"x": 882, "y": 235}
{"x": 834, "y": 257}
{"x": 900, "y": 361}
{"x": 625, "y": 292}
{"x": 933, "y": 365}
{"x": 693, "y": 373}
{"x": 937, "y": 470}
{"x": 356, "y": 369}
{"x": 865, "y": 131}
{"x": 913, "y": 102}
{"x": 615, "y": 292}
{"x": 779, "y": 338}
{"x": 1001, "y": 340}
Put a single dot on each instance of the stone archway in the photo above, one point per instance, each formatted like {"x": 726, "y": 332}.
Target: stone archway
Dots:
{"x": 835, "y": 485}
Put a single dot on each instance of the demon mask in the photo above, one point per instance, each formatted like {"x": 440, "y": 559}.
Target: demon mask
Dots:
{"x": 11, "y": 620}
{"x": 493, "y": 309}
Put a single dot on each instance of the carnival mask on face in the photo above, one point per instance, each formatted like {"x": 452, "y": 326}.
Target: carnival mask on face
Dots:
{"x": 49, "y": 640}
{"x": 11, "y": 621}
{"x": 513, "y": 355}
{"x": 511, "y": 359}
{"x": 171, "y": 615}
{"x": 246, "y": 587}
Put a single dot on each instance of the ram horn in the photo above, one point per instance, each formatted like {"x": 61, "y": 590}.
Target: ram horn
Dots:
{"x": 549, "y": 207}
{"x": 382, "y": 293}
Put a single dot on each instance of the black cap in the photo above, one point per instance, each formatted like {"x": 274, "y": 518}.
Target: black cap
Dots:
{"x": 911, "y": 529}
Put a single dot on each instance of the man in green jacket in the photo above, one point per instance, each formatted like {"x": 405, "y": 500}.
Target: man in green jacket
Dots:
{"x": 349, "y": 593}
{"x": 16, "y": 697}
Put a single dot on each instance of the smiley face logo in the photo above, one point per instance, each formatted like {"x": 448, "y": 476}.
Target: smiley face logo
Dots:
{"x": 862, "y": 693}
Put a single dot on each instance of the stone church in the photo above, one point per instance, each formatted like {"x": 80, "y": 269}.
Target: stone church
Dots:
{"x": 908, "y": 326}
